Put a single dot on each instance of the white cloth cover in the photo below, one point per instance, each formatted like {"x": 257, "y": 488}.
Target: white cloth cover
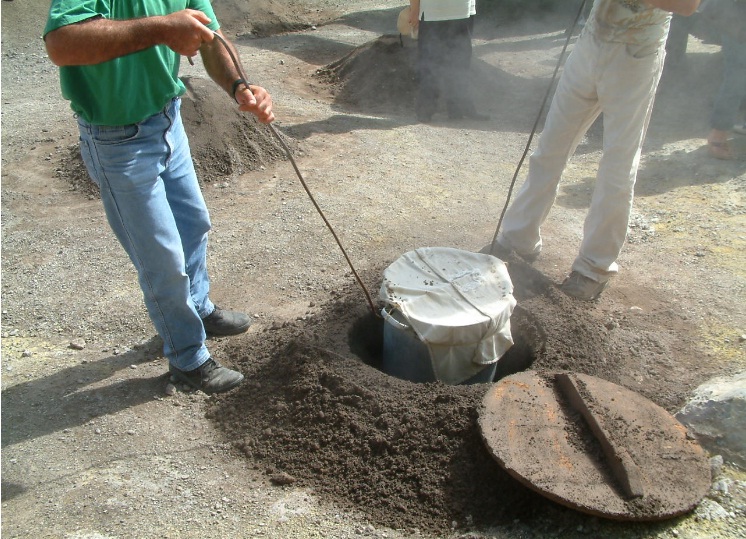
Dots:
{"x": 458, "y": 303}
{"x": 447, "y": 10}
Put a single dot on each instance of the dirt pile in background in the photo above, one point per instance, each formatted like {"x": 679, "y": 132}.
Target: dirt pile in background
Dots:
{"x": 376, "y": 76}
{"x": 266, "y": 17}
{"x": 224, "y": 141}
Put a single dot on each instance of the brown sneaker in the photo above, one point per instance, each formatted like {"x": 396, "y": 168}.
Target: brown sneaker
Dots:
{"x": 719, "y": 150}
{"x": 210, "y": 377}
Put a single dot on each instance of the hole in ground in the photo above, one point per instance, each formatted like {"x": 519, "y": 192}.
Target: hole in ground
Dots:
{"x": 366, "y": 341}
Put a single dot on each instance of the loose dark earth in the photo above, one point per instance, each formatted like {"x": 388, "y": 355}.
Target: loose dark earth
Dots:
{"x": 318, "y": 412}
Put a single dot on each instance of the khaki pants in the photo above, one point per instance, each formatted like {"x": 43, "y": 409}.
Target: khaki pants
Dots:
{"x": 598, "y": 77}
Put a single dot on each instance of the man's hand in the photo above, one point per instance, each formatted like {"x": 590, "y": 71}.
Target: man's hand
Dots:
{"x": 256, "y": 101}
{"x": 185, "y": 31}
{"x": 222, "y": 63}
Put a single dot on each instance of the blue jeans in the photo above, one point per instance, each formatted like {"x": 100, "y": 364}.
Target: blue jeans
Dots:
{"x": 155, "y": 207}
{"x": 733, "y": 87}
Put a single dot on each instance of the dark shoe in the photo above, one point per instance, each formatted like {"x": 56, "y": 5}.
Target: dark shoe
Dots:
{"x": 503, "y": 252}
{"x": 473, "y": 115}
{"x": 222, "y": 322}
{"x": 469, "y": 115}
{"x": 425, "y": 107}
{"x": 582, "y": 287}
{"x": 500, "y": 251}
{"x": 210, "y": 377}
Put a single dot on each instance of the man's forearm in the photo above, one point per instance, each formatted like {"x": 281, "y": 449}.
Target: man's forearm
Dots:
{"x": 98, "y": 40}
{"x": 219, "y": 64}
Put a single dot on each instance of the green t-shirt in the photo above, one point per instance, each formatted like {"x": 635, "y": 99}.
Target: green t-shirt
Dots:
{"x": 130, "y": 88}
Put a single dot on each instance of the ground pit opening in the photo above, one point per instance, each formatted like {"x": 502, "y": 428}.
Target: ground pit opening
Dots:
{"x": 316, "y": 413}
{"x": 365, "y": 339}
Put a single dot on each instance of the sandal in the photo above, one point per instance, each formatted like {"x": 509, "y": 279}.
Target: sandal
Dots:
{"x": 719, "y": 150}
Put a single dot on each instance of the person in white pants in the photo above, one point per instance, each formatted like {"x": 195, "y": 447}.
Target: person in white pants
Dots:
{"x": 614, "y": 69}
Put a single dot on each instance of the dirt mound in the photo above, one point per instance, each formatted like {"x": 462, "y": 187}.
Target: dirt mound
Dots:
{"x": 375, "y": 77}
{"x": 318, "y": 412}
{"x": 267, "y": 17}
{"x": 71, "y": 170}
{"x": 224, "y": 141}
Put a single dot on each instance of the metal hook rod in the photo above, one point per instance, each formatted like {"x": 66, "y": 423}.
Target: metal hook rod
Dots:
{"x": 302, "y": 181}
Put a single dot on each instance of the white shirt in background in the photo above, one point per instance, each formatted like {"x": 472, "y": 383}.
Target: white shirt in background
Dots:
{"x": 447, "y": 10}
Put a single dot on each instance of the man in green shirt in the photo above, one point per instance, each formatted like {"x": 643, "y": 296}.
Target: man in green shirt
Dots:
{"x": 119, "y": 65}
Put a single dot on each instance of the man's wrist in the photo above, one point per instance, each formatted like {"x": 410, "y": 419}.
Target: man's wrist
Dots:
{"x": 236, "y": 84}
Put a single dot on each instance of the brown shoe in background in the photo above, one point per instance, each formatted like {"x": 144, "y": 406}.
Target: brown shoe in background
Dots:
{"x": 719, "y": 150}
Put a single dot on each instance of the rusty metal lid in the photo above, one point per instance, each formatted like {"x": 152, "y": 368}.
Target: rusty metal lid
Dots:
{"x": 593, "y": 446}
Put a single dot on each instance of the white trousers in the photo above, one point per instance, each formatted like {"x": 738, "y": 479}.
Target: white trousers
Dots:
{"x": 598, "y": 77}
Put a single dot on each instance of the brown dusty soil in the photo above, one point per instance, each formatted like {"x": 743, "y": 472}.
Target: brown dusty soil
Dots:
{"x": 410, "y": 454}
{"x": 318, "y": 442}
